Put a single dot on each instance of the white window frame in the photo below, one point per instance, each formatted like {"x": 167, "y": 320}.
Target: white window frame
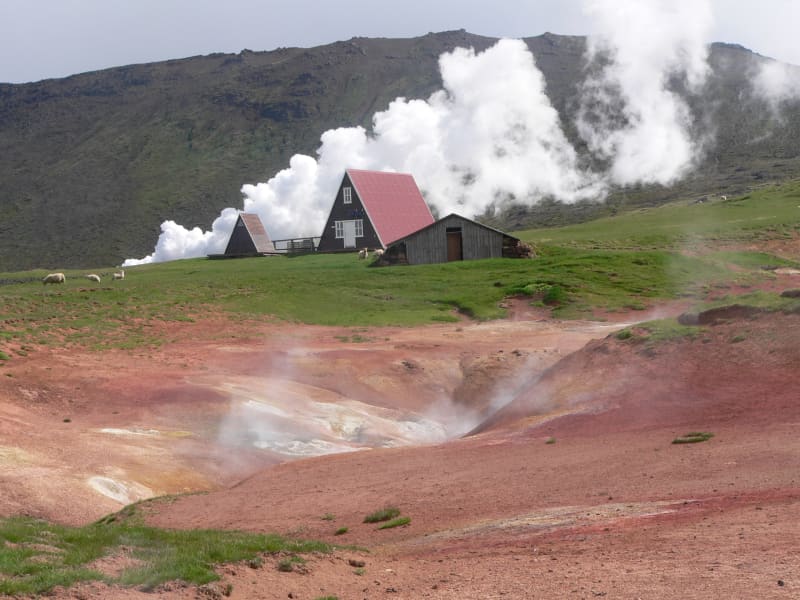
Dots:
{"x": 347, "y": 195}
{"x": 338, "y": 227}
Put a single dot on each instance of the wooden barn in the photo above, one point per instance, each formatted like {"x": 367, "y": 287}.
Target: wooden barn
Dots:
{"x": 453, "y": 238}
{"x": 372, "y": 209}
{"x": 248, "y": 238}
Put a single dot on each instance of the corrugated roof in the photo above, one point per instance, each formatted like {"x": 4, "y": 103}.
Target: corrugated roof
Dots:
{"x": 392, "y": 201}
{"x": 257, "y": 232}
{"x": 457, "y": 216}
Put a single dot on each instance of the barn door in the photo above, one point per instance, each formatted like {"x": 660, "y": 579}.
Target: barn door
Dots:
{"x": 349, "y": 231}
{"x": 454, "y": 247}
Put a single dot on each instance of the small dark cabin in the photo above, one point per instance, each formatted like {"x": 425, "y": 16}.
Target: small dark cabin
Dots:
{"x": 248, "y": 238}
{"x": 372, "y": 209}
{"x": 453, "y": 238}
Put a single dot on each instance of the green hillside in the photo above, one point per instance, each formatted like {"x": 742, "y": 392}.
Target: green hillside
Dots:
{"x": 628, "y": 262}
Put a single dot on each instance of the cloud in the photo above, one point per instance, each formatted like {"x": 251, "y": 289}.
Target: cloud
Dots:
{"x": 777, "y": 82}
{"x": 489, "y": 137}
{"x": 631, "y": 114}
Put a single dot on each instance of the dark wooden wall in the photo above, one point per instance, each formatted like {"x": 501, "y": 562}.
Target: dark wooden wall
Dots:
{"x": 430, "y": 244}
{"x": 347, "y": 212}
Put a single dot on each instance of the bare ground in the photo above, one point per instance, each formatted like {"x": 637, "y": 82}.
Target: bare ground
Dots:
{"x": 572, "y": 489}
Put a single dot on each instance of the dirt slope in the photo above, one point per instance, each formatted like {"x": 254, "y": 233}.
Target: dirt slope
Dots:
{"x": 574, "y": 489}
{"x": 611, "y": 508}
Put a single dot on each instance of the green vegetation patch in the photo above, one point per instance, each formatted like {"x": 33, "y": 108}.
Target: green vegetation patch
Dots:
{"x": 630, "y": 261}
{"x": 768, "y": 213}
{"x": 398, "y": 522}
{"x": 660, "y": 330}
{"x": 36, "y": 556}
{"x": 693, "y": 438}
{"x": 384, "y": 514}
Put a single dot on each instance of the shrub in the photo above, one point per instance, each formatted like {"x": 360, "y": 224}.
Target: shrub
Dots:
{"x": 390, "y": 512}
{"x": 396, "y": 523}
{"x": 693, "y": 438}
{"x": 341, "y": 531}
{"x": 556, "y": 295}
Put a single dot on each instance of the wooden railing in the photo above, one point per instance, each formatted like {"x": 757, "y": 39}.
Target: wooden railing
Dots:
{"x": 303, "y": 245}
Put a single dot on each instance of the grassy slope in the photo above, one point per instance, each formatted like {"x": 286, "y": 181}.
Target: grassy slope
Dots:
{"x": 629, "y": 261}
{"x": 36, "y": 556}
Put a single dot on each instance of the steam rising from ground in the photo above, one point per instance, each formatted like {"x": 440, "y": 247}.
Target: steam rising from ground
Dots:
{"x": 293, "y": 419}
{"x": 778, "y": 82}
{"x": 631, "y": 116}
{"x": 491, "y": 135}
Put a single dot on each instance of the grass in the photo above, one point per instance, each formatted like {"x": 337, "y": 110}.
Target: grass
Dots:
{"x": 767, "y": 213}
{"x": 630, "y": 261}
{"x": 341, "y": 531}
{"x": 36, "y": 556}
{"x": 659, "y": 330}
{"x": 693, "y": 438}
{"x": 384, "y": 514}
{"x": 286, "y": 565}
{"x": 398, "y": 522}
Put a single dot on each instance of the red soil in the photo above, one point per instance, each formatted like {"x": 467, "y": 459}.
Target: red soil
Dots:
{"x": 573, "y": 489}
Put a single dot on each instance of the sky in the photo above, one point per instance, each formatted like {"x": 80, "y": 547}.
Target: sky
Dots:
{"x": 42, "y": 39}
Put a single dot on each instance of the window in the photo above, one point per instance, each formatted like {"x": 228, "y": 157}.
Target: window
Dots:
{"x": 347, "y": 194}
{"x": 356, "y": 228}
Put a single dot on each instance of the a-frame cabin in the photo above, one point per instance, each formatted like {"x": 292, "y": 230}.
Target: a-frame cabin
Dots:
{"x": 372, "y": 209}
{"x": 248, "y": 238}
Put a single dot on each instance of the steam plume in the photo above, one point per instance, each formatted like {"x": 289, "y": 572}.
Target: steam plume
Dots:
{"x": 778, "y": 82}
{"x": 631, "y": 115}
{"x": 470, "y": 145}
{"x": 491, "y": 136}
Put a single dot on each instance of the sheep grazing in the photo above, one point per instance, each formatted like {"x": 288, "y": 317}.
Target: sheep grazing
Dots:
{"x": 120, "y": 275}
{"x": 54, "y": 278}
{"x": 363, "y": 253}
{"x": 378, "y": 252}
{"x": 93, "y": 277}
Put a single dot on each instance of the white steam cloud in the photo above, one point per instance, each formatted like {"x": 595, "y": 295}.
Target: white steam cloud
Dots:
{"x": 491, "y": 136}
{"x": 778, "y": 82}
{"x": 629, "y": 115}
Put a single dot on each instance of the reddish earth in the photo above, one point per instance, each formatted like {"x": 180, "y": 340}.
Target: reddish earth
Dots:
{"x": 572, "y": 489}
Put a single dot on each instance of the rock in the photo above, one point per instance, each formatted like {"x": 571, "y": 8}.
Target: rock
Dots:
{"x": 355, "y": 563}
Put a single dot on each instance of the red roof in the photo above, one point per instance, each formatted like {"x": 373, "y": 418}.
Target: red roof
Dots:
{"x": 392, "y": 201}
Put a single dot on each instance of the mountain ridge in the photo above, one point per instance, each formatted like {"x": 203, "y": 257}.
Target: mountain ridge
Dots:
{"x": 91, "y": 164}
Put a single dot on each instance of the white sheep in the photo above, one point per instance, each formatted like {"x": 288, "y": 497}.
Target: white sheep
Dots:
{"x": 723, "y": 198}
{"x": 378, "y": 252}
{"x": 93, "y": 277}
{"x": 363, "y": 253}
{"x": 54, "y": 278}
{"x": 120, "y": 275}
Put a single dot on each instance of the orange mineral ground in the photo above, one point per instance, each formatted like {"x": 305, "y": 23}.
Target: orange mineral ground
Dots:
{"x": 533, "y": 456}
